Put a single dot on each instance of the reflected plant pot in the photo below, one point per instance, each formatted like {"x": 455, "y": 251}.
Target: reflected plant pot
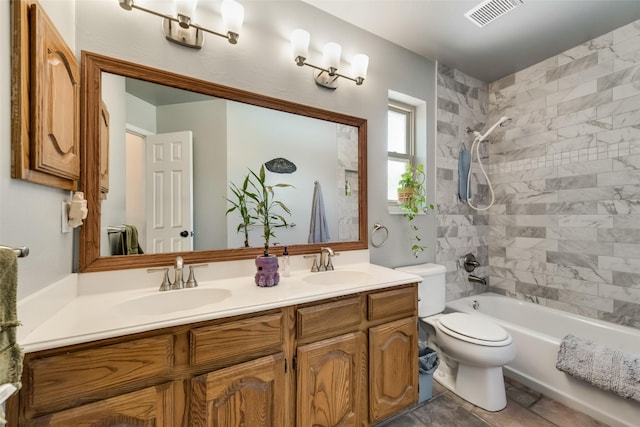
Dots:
{"x": 267, "y": 274}
{"x": 404, "y": 195}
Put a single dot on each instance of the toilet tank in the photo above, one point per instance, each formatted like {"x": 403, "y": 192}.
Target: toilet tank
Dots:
{"x": 432, "y": 289}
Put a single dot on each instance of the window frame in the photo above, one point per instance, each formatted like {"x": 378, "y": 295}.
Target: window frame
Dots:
{"x": 410, "y": 143}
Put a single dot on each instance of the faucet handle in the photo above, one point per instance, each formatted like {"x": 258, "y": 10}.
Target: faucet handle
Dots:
{"x": 314, "y": 267}
{"x": 191, "y": 280}
{"x": 166, "y": 282}
{"x": 329, "y": 266}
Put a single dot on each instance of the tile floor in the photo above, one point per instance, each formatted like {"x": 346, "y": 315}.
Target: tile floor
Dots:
{"x": 525, "y": 408}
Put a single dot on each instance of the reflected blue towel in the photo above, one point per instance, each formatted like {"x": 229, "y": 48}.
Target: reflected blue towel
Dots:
{"x": 318, "y": 229}
{"x": 464, "y": 163}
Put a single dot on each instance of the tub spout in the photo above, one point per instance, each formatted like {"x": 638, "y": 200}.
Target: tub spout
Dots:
{"x": 475, "y": 279}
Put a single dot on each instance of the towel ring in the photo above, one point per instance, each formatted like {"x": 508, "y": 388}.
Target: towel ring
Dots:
{"x": 377, "y": 227}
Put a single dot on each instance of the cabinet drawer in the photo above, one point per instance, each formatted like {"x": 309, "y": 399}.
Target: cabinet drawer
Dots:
{"x": 395, "y": 303}
{"x": 236, "y": 341}
{"x": 332, "y": 317}
{"x": 77, "y": 377}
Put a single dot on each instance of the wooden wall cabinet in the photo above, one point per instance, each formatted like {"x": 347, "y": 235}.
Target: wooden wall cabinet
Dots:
{"x": 347, "y": 361}
{"x": 45, "y": 97}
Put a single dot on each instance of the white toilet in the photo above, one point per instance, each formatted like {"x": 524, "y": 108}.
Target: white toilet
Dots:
{"x": 473, "y": 347}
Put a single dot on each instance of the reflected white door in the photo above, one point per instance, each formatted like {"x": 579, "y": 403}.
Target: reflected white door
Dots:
{"x": 169, "y": 195}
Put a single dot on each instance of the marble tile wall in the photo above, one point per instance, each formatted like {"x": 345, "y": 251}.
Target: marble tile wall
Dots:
{"x": 565, "y": 229}
{"x": 462, "y": 102}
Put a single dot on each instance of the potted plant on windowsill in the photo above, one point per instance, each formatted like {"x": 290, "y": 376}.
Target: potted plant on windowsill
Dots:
{"x": 412, "y": 200}
{"x": 256, "y": 203}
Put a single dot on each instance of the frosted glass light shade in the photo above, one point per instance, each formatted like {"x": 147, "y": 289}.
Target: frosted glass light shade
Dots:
{"x": 359, "y": 65}
{"x": 232, "y": 16}
{"x": 186, "y": 8}
{"x": 331, "y": 55}
{"x": 300, "y": 43}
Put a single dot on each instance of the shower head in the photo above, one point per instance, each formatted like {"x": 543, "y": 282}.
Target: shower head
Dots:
{"x": 504, "y": 121}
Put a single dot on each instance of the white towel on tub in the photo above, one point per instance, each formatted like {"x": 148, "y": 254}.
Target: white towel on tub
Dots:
{"x": 606, "y": 367}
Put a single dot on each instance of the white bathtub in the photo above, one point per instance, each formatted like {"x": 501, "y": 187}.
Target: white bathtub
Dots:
{"x": 537, "y": 331}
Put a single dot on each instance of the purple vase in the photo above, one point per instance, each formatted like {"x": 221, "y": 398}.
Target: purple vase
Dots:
{"x": 267, "y": 274}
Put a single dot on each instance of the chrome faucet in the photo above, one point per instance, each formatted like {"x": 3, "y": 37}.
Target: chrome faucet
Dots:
{"x": 326, "y": 254}
{"x": 476, "y": 279}
{"x": 178, "y": 282}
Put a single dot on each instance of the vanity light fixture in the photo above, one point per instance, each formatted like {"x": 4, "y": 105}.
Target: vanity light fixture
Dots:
{"x": 327, "y": 74}
{"x": 182, "y": 30}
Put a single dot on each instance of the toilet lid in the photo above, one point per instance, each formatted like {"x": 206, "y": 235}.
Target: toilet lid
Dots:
{"x": 473, "y": 327}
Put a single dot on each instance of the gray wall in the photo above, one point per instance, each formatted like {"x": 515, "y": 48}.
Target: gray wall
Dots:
{"x": 30, "y": 213}
{"x": 260, "y": 62}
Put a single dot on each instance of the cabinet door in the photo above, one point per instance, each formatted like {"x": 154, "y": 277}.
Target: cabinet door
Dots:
{"x": 55, "y": 101}
{"x": 331, "y": 381}
{"x": 393, "y": 367}
{"x": 149, "y": 407}
{"x": 248, "y": 394}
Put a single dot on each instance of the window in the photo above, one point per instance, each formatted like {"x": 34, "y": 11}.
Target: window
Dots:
{"x": 400, "y": 144}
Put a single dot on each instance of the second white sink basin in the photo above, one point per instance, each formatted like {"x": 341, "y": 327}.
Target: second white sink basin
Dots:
{"x": 171, "y": 301}
{"x": 338, "y": 277}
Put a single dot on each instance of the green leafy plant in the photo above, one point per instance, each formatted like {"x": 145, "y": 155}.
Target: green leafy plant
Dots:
{"x": 240, "y": 205}
{"x": 412, "y": 201}
{"x": 255, "y": 202}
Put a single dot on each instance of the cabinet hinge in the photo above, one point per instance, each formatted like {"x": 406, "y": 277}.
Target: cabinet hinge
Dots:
{"x": 294, "y": 363}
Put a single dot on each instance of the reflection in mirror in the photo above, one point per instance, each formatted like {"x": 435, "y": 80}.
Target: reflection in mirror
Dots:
{"x": 219, "y": 133}
{"x": 174, "y": 154}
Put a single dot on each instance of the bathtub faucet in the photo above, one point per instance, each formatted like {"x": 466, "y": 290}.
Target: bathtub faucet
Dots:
{"x": 475, "y": 279}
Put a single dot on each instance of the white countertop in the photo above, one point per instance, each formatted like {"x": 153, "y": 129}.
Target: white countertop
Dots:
{"x": 89, "y": 316}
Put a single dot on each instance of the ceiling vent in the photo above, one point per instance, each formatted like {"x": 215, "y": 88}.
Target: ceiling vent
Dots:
{"x": 489, "y": 10}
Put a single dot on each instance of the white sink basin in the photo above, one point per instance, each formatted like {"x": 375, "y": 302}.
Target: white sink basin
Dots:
{"x": 338, "y": 277}
{"x": 171, "y": 301}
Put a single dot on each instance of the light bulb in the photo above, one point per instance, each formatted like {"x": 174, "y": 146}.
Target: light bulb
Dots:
{"x": 331, "y": 56}
{"x": 232, "y": 16}
{"x": 359, "y": 66}
{"x": 300, "y": 45}
{"x": 186, "y": 7}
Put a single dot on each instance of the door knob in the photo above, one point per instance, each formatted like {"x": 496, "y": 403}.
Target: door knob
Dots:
{"x": 184, "y": 233}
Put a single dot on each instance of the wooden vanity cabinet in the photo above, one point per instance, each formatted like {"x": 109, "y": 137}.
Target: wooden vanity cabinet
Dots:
{"x": 393, "y": 352}
{"x": 331, "y": 371}
{"x": 348, "y": 361}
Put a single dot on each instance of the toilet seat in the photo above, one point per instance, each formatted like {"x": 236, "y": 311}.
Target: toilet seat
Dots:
{"x": 473, "y": 329}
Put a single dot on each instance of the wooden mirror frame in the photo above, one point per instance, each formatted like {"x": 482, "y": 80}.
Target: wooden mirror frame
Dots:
{"x": 93, "y": 65}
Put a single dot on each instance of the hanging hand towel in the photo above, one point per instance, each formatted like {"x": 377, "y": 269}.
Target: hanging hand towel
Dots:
{"x": 132, "y": 244}
{"x": 318, "y": 229}
{"x": 10, "y": 352}
{"x": 464, "y": 163}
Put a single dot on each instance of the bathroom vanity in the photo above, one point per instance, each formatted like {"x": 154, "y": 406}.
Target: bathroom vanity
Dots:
{"x": 323, "y": 357}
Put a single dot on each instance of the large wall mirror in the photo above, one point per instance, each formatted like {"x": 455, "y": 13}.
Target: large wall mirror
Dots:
{"x": 220, "y": 133}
